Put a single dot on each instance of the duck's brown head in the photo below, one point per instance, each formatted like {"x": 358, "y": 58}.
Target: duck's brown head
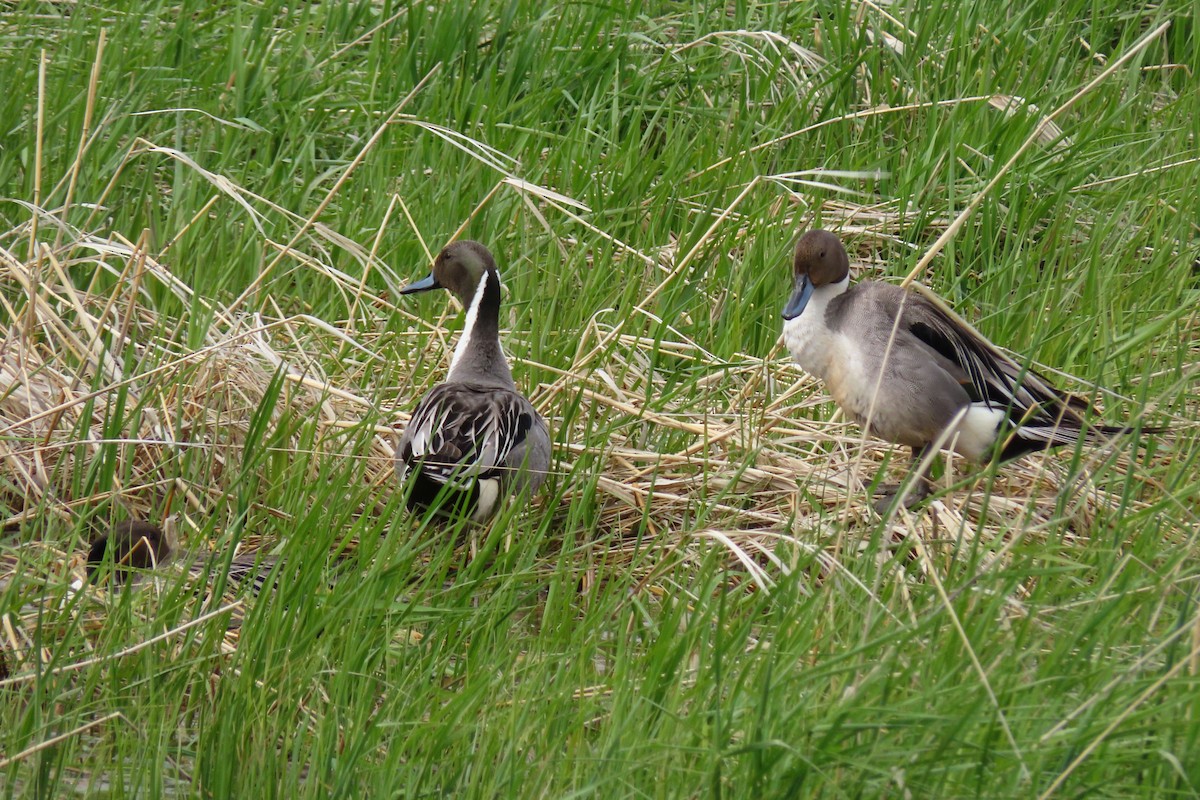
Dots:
{"x": 819, "y": 261}
{"x": 459, "y": 267}
{"x": 132, "y": 544}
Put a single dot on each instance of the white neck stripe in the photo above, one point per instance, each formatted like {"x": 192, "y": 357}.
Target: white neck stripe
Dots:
{"x": 464, "y": 341}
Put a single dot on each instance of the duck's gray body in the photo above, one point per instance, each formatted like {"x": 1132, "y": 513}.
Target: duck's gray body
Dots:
{"x": 911, "y": 373}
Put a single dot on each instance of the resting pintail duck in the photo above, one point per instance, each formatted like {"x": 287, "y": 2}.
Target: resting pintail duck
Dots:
{"x": 473, "y": 438}
{"x": 139, "y": 546}
{"x": 134, "y": 544}
{"x": 912, "y": 373}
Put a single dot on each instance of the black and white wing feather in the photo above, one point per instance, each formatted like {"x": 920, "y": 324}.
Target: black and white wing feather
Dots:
{"x": 1041, "y": 414}
{"x": 461, "y": 433}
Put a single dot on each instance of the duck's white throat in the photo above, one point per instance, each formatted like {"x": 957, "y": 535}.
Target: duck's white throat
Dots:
{"x": 808, "y": 336}
{"x": 464, "y": 341}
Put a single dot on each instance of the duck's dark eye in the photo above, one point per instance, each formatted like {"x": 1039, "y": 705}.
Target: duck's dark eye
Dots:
{"x": 822, "y": 254}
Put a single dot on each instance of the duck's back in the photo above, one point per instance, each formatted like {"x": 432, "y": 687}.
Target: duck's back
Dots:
{"x": 478, "y": 440}
{"x": 884, "y": 371}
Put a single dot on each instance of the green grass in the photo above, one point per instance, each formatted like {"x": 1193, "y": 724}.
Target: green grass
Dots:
{"x": 701, "y": 603}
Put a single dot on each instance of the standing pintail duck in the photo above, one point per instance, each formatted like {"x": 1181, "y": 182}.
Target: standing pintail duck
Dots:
{"x": 911, "y": 373}
{"x": 473, "y": 438}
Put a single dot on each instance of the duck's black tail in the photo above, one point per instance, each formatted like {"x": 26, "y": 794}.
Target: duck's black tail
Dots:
{"x": 1033, "y": 437}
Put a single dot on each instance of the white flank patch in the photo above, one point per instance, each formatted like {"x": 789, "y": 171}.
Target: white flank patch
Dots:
{"x": 489, "y": 495}
{"x": 976, "y": 432}
{"x": 472, "y": 312}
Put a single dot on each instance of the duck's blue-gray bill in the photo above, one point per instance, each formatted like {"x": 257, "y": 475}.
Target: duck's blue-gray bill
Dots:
{"x": 799, "y": 298}
{"x": 423, "y": 285}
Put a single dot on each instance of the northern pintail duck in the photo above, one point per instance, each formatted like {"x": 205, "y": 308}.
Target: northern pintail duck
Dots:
{"x": 473, "y": 438}
{"x": 925, "y": 379}
{"x": 136, "y": 546}
{"x": 131, "y": 545}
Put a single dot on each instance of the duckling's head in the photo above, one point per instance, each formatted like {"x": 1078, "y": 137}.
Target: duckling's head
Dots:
{"x": 820, "y": 261}
{"x": 134, "y": 544}
{"x": 460, "y": 267}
